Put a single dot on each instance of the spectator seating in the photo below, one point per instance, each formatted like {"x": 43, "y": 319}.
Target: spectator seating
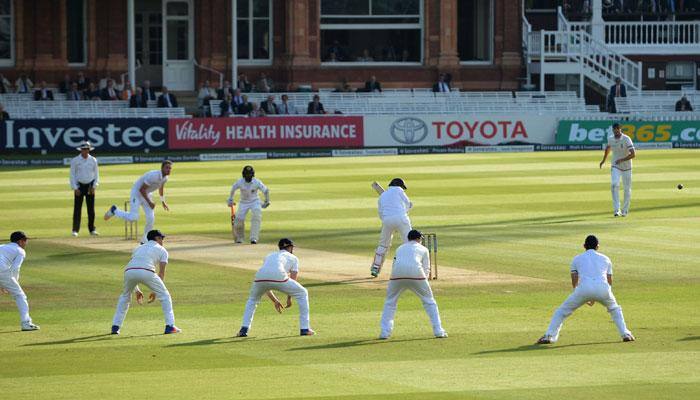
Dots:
{"x": 655, "y": 101}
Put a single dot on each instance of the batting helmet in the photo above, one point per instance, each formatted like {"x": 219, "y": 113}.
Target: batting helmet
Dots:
{"x": 414, "y": 234}
{"x": 398, "y": 182}
{"x": 285, "y": 242}
{"x": 248, "y": 173}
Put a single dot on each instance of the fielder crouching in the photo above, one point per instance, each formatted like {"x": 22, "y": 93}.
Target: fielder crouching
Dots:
{"x": 278, "y": 272}
{"x": 409, "y": 271}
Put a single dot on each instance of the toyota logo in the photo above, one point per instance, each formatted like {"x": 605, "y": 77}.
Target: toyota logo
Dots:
{"x": 408, "y": 130}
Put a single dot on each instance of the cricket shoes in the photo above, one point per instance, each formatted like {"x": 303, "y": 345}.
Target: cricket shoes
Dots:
{"x": 243, "y": 332}
{"x": 307, "y": 332}
{"x": 617, "y": 214}
{"x": 74, "y": 234}
{"x": 94, "y": 233}
{"x": 110, "y": 213}
{"x": 624, "y": 214}
{"x": 546, "y": 339}
{"x": 442, "y": 335}
{"x": 628, "y": 338}
{"x": 384, "y": 336}
{"x": 374, "y": 271}
{"x": 253, "y": 242}
{"x": 29, "y": 326}
{"x": 115, "y": 329}
{"x": 171, "y": 329}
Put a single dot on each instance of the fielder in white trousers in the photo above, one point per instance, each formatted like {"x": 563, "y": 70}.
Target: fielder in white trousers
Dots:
{"x": 626, "y": 176}
{"x": 623, "y": 152}
{"x": 150, "y": 279}
{"x": 290, "y": 288}
{"x": 10, "y": 283}
{"x": 137, "y": 201}
{"x": 12, "y": 256}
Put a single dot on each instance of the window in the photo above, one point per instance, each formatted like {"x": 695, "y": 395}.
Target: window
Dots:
{"x": 7, "y": 33}
{"x": 253, "y": 19}
{"x": 475, "y": 31}
{"x": 371, "y": 31}
{"x": 177, "y": 33}
{"x": 549, "y": 5}
{"x": 76, "y": 32}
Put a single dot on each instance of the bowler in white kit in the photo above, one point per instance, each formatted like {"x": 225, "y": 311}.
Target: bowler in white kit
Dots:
{"x": 11, "y": 257}
{"x": 409, "y": 272}
{"x": 591, "y": 277}
{"x": 141, "y": 269}
{"x": 623, "y": 153}
{"x": 250, "y": 187}
{"x": 141, "y": 196}
{"x": 393, "y": 207}
{"x": 279, "y": 271}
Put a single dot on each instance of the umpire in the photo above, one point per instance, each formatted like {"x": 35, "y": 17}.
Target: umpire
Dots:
{"x": 84, "y": 178}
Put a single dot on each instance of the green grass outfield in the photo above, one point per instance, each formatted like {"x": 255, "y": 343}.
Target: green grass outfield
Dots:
{"x": 521, "y": 214}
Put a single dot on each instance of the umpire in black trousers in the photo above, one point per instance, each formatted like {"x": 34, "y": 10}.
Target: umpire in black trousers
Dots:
{"x": 84, "y": 178}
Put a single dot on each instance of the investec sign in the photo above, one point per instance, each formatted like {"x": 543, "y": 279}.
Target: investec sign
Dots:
{"x": 449, "y": 129}
{"x": 67, "y": 134}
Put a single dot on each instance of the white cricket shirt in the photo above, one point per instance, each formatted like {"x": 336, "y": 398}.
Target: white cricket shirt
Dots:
{"x": 148, "y": 256}
{"x": 592, "y": 267}
{"x": 620, "y": 149}
{"x": 11, "y": 257}
{"x": 393, "y": 202}
{"x": 412, "y": 261}
{"x": 249, "y": 190}
{"x": 152, "y": 179}
{"x": 83, "y": 170}
{"x": 277, "y": 266}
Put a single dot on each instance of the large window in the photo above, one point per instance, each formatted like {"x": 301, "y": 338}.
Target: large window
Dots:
{"x": 371, "y": 31}
{"x": 475, "y": 31}
{"x": 75, "y": 32}
{"x": 254, "y": 28}
{"x": 7, "y": 33}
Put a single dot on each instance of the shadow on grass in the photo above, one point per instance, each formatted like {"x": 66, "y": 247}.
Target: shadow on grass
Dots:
{"x": 89, "y": 339}
{"x": 15, "y": 331}
{"x": 225, "y": 340}
{"x": 354, "y": 343}
{"x": 539, "y": 347}
{"x": 74, "y": 253}
{"x": 689, "y": 338}
{"x": 343, "y": 282}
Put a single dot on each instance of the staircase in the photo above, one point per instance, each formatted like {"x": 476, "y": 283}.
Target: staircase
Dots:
{"x": 567, "y": 51}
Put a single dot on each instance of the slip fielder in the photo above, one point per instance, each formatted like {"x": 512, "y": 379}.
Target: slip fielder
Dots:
{"x": 591, "y": 277}
{"x": 409, "y": 271}
{"x": 249, "y": 186}
{"x": 623, "y": 153}
{"x": 11, "y": 257}
{"x": 393, "y": 207}
{"x": 141, "y": 196}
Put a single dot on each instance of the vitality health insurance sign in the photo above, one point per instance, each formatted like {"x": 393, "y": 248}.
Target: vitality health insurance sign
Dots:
{"x": 446, "y": 130}
{"x": 597, "y": 132}
{"x": 266, "y": 132}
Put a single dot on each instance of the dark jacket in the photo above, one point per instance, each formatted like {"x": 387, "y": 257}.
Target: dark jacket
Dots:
{"x": 313, "y": 109}
{"x": 267, "y": 107}
{"x": 104, "y": 94}
{"x": 224, "y": 106}
{"x": 137, "y": 101}
{"x": 244, "y": 108}
{"x": 680, "y": 106}
{"x": 149, "y": 93}
{"x": 162, "y": 103}
{"x": 436, "y": 86}
{"x": 369, "y": 87}
{"x": 37, "y": 94}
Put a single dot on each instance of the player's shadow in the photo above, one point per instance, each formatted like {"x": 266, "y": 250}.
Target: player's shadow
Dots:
{"x": 355, "y": 343}
{"x": 342, "y": 282}
{"x": 15, "y": 331}
{"x": 89, "y": 339}
{"x": 538, "y": 347}
{"x": 227, "y": 340}
{"x": 689, "y": 338}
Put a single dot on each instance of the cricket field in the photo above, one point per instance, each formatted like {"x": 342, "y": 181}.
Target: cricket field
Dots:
{"x": 508, "y": 226}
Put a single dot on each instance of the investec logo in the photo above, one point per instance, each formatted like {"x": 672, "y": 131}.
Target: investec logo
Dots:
{"x": 408, "y": 130}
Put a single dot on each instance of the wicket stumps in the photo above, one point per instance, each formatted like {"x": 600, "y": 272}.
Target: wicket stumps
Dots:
{"x": 131, "y": 229}
{"x": 430, "y": 241}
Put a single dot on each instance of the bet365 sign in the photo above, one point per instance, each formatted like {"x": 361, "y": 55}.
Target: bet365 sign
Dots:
{"x": 597, "y": 132}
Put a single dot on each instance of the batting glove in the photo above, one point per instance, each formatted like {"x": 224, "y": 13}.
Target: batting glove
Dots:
{"x": 265, "y": 204}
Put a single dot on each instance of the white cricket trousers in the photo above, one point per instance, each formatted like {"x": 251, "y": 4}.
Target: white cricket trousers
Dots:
{"x": 390, "y": 224}
{"x": 133, "y": 214}
{"x": 615, "y": 175}
{"x": 587, "y": 291}
{"x": 10, "y": 283}
{"x": 133, "y": 277}
{"x": 255, "y": 220}
{"x": 422, "y": 289}
{"x": 289, "y": 287}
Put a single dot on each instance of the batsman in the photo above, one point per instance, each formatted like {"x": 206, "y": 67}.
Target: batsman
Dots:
{"x": 393, "y": 209}
{"x": 249, "y": 186}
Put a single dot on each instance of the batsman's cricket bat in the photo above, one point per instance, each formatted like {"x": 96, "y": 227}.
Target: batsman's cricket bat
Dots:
{"x": 233, "y": 218}
{"x": 377, "y": 187}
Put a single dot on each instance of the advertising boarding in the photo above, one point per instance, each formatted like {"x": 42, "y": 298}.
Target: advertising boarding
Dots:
{"x": 680, "y": 133}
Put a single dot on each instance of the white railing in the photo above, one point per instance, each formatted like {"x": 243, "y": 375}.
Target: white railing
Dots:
{"x": 221, "y": 75}
{"x": 652, "y": 33}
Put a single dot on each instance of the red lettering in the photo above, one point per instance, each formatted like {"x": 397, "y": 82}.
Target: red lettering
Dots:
{"x": 471, "y": 128}
{"x": 460, "y": 130}
{"x": 438, "y": 126}
{"x": 494, "y": 130}
{"x": 504, "y": 128}
{"x": 519, "y": 130}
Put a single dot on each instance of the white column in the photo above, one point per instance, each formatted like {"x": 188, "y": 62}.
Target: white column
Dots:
{"x": 597, "y": 27}
{"x": 234, "y": 43}
{"x": 131, "y": 41}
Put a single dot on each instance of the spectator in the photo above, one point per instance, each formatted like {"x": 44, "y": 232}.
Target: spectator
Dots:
{"x": 126, "y": 93}
{"x": 206, "y": 93}
{"x": 442, "y": 86}
{"x": 105, "y": 81}
{"x": 616, "y": 90}
{"x": 43, "y": 93}
{"x": 335, "y": 53}
{"x": 237, "y": 98}
{"x": 138, "y": 99}
{"x": 365, "y": 57}
{"x": 92, "y": 92}
{"x": 228, "y": 107}
{"x": 148, "y": 93}
{"x": 245, "y": 107}
{"x": 24, "y": 84}
{"x": 3, "y": 114}
{"x": 82, "y": 81}
{"x": 372, "y": 85}
{"x": 244, "y": 84}
{"x": 74, "y": 94}
{"x": 256, "y": 111}
{"x": 269, "y": 106}
{"x": 683, "y": 104}
{"x": 224, "y": 90}
{"x": 286, "y": 107}
{"x": 65, "y": 84}
{"x": 315, "y": 106}
{"x": 5, "y": 85}
{"x": 109, "y": 92}
{"x": 167, "y": 99}
{"x": 264, "y": 84}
